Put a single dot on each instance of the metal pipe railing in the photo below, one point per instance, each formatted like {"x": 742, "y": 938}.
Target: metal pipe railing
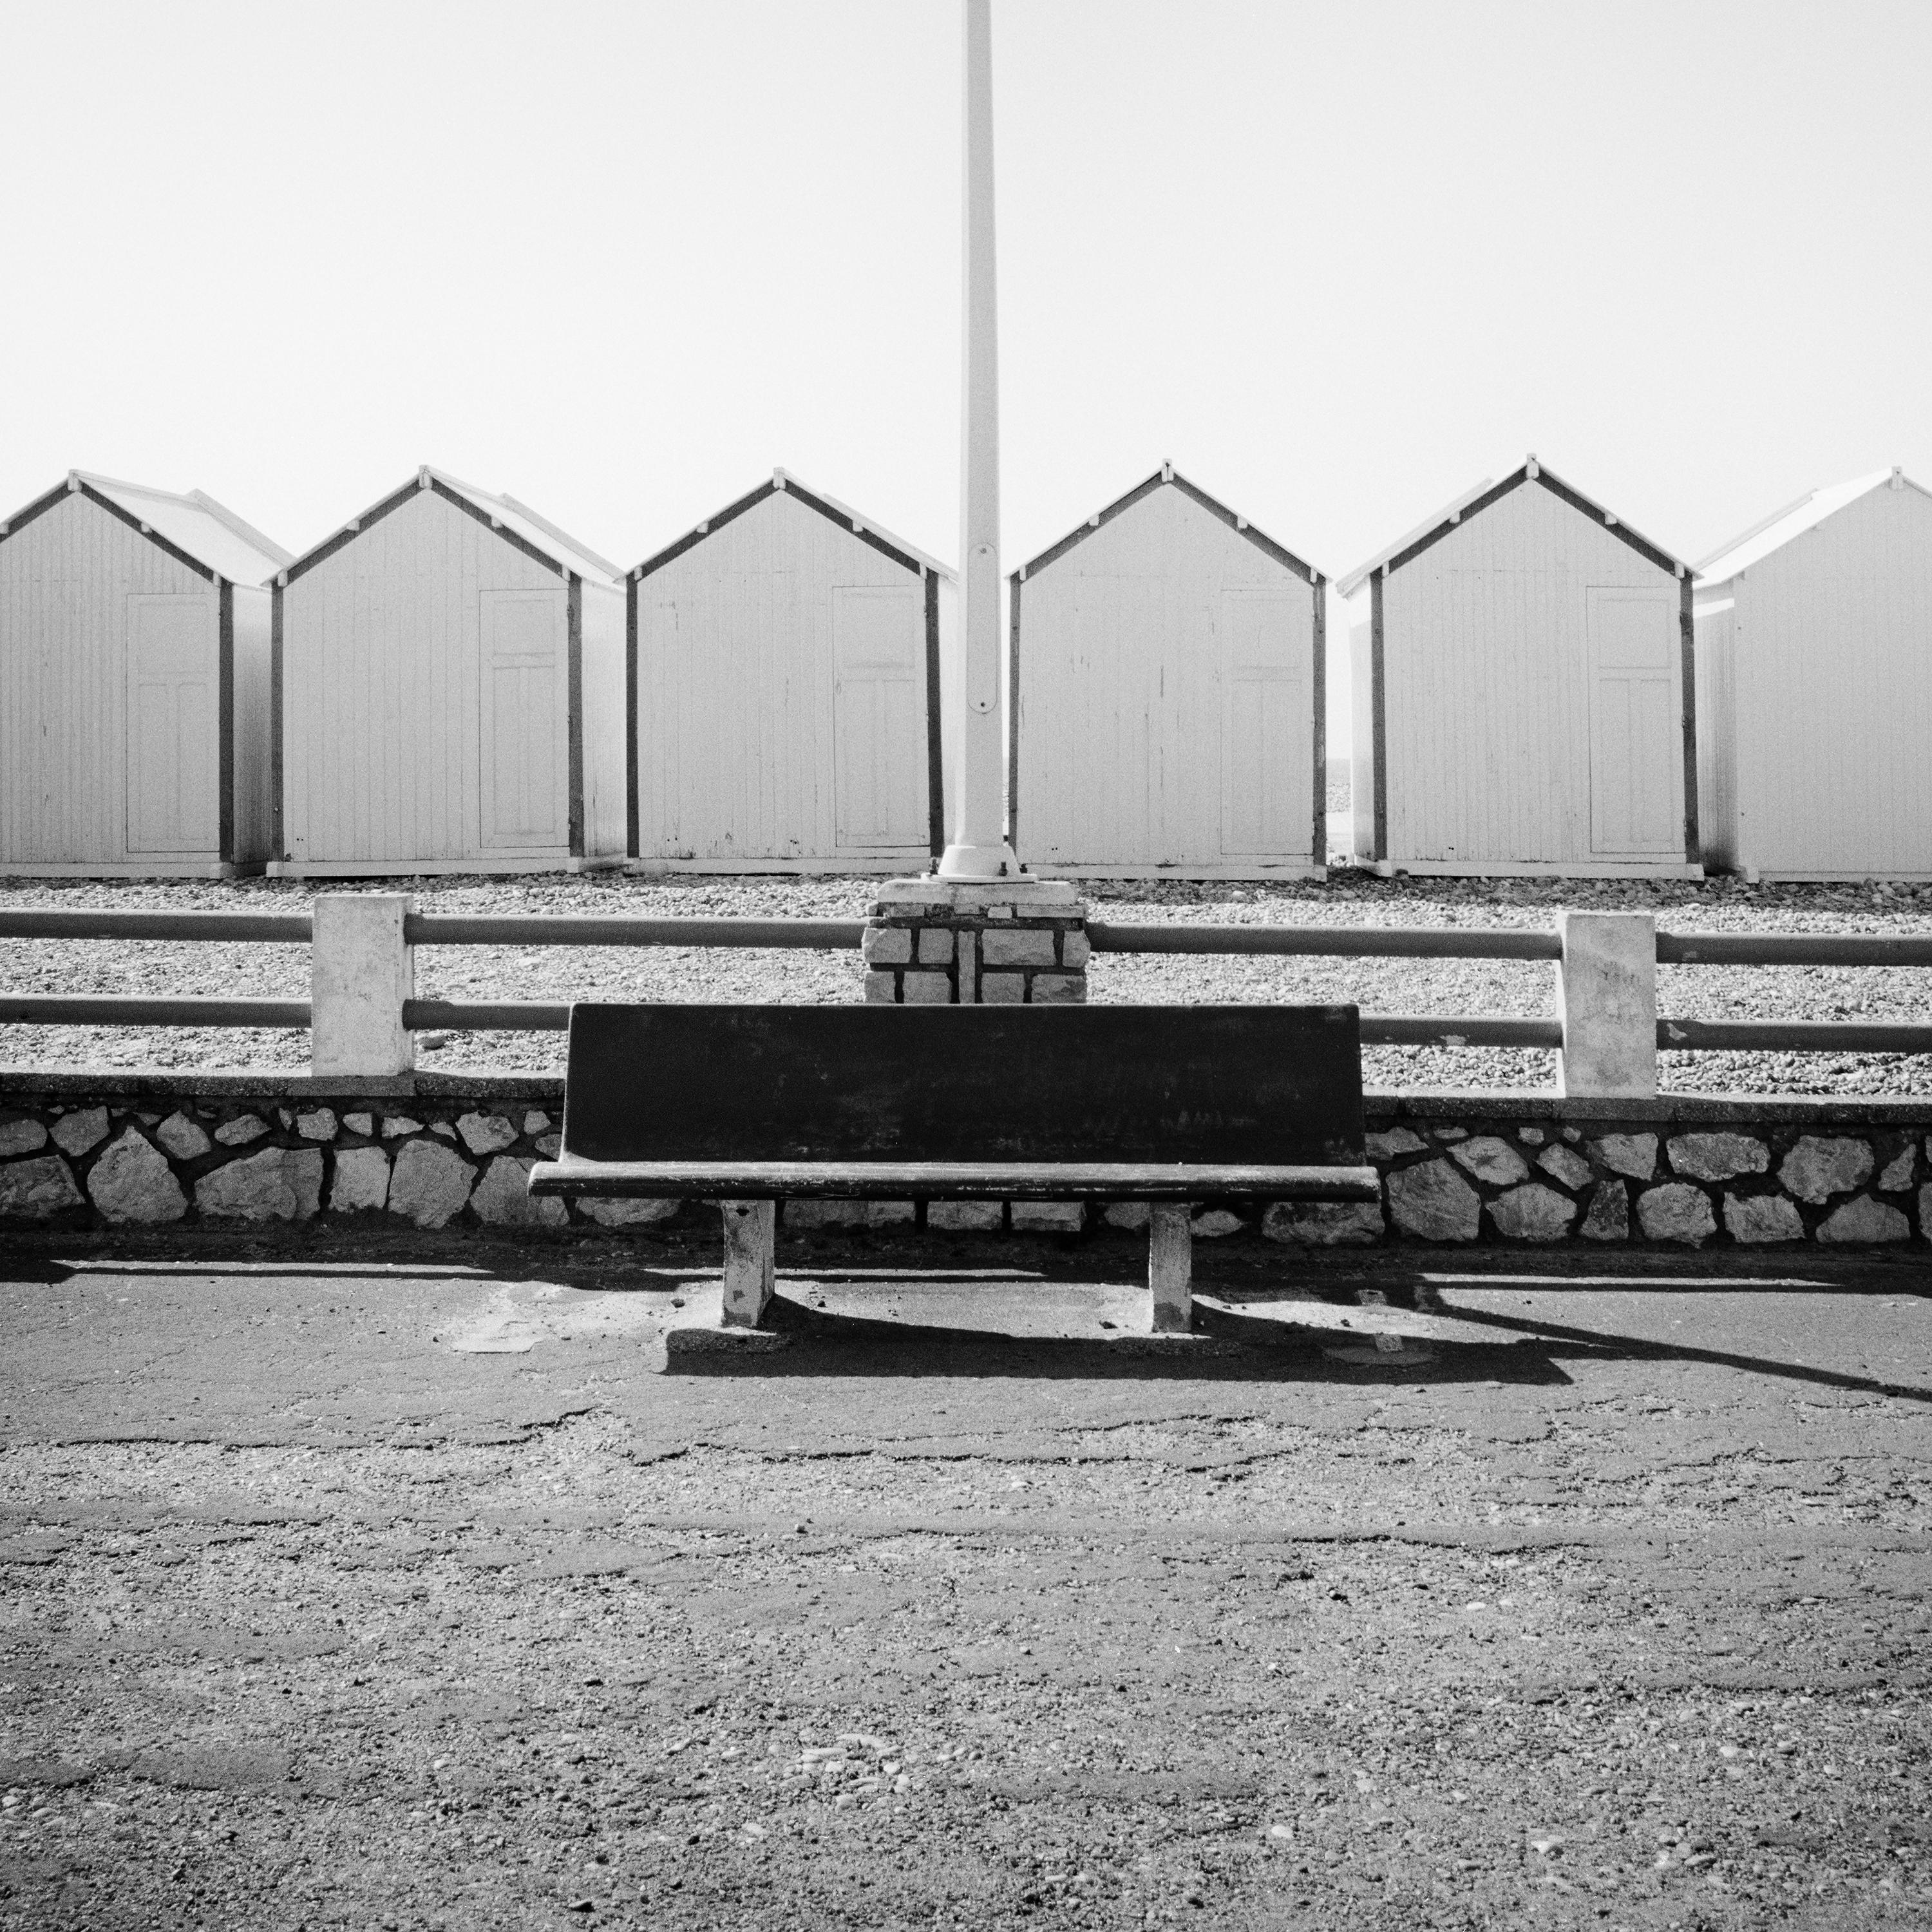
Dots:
{"x": 1360, "y": 942}
{"x": 252, "y": 929}
{"x": 1792, "y": 949}
{"x": 485, "y": 1016}
{"x": 142, "y": 1009}
{"x": 442, "y": 928}
{"x": 1793, "y": 1036}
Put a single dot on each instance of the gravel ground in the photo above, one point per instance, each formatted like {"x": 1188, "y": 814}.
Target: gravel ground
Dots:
{"x": 420, "y": 1593}
{"x": 1467, "y": 987}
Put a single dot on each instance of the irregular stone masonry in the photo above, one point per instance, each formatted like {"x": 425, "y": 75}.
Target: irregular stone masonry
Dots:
{"x": 1504, "y": 1170}
{"x": 936, "y": 954}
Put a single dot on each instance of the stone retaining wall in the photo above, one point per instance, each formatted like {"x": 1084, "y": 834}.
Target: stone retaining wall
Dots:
{"x": 149, "y": 1149}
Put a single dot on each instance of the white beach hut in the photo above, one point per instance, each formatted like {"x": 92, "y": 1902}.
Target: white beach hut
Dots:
{"x": 785, "y": 668}
{"x": 1522, "y": 684}
{"x": 1814, "y": 704}
{"x": 449, "y": 693}
{"x": 133, "y": 684}
{"x": 1166, "y": 696}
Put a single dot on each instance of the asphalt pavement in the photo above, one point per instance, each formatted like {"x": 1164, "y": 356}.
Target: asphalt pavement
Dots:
{"x": 438, "y": 1583}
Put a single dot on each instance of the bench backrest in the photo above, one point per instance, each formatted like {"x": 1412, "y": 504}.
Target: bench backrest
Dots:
{"x": 1263, "y": 1085}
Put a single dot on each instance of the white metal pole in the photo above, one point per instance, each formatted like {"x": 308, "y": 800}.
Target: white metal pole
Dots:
{"x": 979, "y": 850}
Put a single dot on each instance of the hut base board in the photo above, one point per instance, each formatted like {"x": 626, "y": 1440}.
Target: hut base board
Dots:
{"x": 1772, "y": 875}
{"x": 140, "y": 868}
{"x": 1231, "y": 868}
{"x": 1552, "y": 868}
{"x": 429, "y": 868}
{"x": 886, "y": 865}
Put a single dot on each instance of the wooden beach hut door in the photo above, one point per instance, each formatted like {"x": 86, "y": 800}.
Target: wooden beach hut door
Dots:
{"x": 1636, "y": 746}
{"x": 878, "y": 714}
{"x": 1266, "y": 728}
{"x": 526, "y": 719}
{"x": 174, "y": 711}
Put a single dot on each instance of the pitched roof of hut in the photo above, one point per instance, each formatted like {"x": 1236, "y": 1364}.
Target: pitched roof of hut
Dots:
{"x": 516, "y": 522}
{"x": 1478, "y": 498}
{"x": 194, "y": 525}
{"x": 1167, "y": 475}
{"x": 782, "y": 482}
{"x": 1793, "y": 521}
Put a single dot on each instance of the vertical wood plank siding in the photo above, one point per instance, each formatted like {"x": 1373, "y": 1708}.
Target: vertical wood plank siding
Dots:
{"x": 66, "y": 574}
{"x": 278, "y": 846}
{"x": 251, "y": 609}
{"x": 1485, "y": 686}
{"x": 736, "y": 701}
{"x": 1687, "y": 658}
{"x": 381, "y": 660}
{"x": 935, "y": 737}
{"x": 1378, "y": 712}
{"x": 1319, "y": 724}
{"x": 1129, "y": 755}
{"x": 226, "y": 721}
{"x": 574, "y": 697}
{"x": 631, "y": 727}
{"x": 1833, "y": 710}
{"x": 601, "y": 623}
{"x": 1015, "y": 588}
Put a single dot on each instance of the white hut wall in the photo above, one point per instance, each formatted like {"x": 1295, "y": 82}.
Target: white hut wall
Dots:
{"x": 1718, "y": 828}
{"x": 952, "y": 723}
{"x": 1166, "y": 699}
{"x": 1834, "y": 703}
{"x": 1361, "y": 725}
{"x": 1532, "y": 694}
{"x": 254, "y": 816}
{"x": 601, "y": 671}
{"x": 99, "y": 626}
{"x": 390, "y": 717}
{"x": 781, "y": 697}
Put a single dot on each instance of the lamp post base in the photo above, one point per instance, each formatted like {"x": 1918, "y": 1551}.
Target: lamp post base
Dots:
{"x": 948, "y": 941}
{"x": 979, "y": 862}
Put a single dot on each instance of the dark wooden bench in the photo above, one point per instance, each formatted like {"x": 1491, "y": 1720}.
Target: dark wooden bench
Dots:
{"x": 750, "y": 1106}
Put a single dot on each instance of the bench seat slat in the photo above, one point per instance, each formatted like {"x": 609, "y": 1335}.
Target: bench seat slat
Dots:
{"x": 980, "y": 1180}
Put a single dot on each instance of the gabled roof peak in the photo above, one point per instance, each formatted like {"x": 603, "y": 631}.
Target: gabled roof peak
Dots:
{"x": 1478, "y": 497}
{"x": 1773, "y": 532}
{"x": 1167, "y": 476}
{"x": 784, "y": 483}
{"x": 209, "y": 534}
{"x": 516, "y": 521}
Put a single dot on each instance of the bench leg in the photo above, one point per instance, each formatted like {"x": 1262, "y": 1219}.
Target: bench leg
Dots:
{"x": 751, "y": 1230}
{"x": 1171, "y": 1269}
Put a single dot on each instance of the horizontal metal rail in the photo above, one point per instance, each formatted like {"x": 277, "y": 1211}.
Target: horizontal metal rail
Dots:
{"x": 142, "y": 1009}
{"x": 1792, "y": 949}
{"x": 1793, "y": 1036}
{"x": 444, "y": 928}
{"x": 1415, "y": 942}
{"x": 1429, "y": 1030}
{"x": 253, "y": 929}
{"x": 485, "y": 1016}
{"x": 1364, "y": 942}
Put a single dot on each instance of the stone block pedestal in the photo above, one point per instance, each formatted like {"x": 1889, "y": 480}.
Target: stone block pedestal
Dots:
{"x": 951, "y": 942}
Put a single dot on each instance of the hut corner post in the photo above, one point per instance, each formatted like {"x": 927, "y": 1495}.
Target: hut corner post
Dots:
{"x": 978, "y": 929}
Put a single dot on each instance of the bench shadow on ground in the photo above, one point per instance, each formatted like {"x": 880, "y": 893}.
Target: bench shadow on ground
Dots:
{"x": 1261, "y": 1313}
{"x": 1249, "y": 1328}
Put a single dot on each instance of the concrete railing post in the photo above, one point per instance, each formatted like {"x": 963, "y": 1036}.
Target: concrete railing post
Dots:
{"x": 1607, "y": 997}
{"x": 361, "y": 970}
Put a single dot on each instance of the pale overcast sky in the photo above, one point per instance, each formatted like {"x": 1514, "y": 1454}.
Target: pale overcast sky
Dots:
{"x": 1337, "y": 261}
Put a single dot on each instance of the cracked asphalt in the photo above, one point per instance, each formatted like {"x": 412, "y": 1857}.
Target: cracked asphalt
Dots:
{"x": 421, "y": 1584}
